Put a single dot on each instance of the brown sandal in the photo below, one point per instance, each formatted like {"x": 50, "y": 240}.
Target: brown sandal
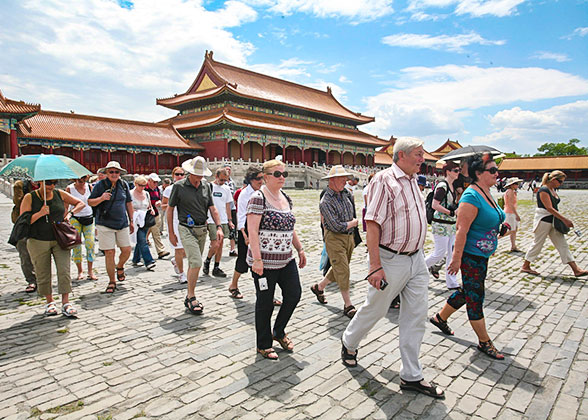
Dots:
{"x": 268, "y": 354}
{"x": 349, "y": 311}
{"x": 235, "y": 293}
{"x": 286, "y": 343}
{"x": 111, "y": 288}
{"x": 488, "y": 348}
{"x": 119, "y": 276}
{"x": 320, "y": 294}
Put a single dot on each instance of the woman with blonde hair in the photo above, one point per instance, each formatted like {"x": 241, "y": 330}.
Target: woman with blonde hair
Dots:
{"x": 179, "y": 254}
{"x": 270, "y": 224}
{"x": 510, "y": 208}
{"x": 83, "y": 221}
{"x": 550, "y": 222}
{"x": 141, "y": 206}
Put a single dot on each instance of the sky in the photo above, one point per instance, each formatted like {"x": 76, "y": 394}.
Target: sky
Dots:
{"x": 512, "y": 74}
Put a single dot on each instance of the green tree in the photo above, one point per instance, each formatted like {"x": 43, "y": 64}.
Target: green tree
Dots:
{"x": 570, "y": 148}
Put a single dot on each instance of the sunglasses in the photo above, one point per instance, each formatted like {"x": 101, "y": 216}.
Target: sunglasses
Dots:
{"x": 179, "y": 174}
{"x": 51, "y": 182}
{"x": 141, "y": 185}
{"x": 258, "y": 178}
{"x": 278, "y": 174}
{"x": 493, "y": 170}
{"x": 114, "y": 172}
{"x": 559, "y": 180}
{"x": 456, "y": 170}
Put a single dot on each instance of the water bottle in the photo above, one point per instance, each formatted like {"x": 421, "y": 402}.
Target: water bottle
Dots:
{"x": 190, "y": 221}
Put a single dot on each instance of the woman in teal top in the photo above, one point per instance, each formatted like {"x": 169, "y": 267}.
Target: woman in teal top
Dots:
{"x": 478, "y": 223}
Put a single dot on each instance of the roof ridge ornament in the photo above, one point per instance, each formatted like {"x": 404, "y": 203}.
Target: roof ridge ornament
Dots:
{"x": 208, "y": 54}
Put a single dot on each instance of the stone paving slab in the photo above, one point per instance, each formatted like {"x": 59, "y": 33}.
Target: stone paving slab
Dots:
{"x": 138, "y": 354}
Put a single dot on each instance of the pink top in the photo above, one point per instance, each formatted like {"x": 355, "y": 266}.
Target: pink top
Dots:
{"x": 397, "y": 205}
{"x": 510, "y": 201}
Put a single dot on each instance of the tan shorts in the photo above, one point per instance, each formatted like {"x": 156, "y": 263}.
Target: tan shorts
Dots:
{"x": 111, "y": 238}
{"x": 193, "y": 240}
{"x": 340, "y": 247}
{"x": 212, "y": 231}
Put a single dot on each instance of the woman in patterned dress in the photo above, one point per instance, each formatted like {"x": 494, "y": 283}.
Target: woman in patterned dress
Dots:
{"x": 270, "y": 223}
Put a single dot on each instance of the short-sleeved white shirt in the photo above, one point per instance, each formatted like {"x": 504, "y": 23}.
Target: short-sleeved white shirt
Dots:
{"x": 221, "y": 195}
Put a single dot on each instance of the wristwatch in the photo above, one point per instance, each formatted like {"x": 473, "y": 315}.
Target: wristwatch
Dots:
{"x": 219, "y": 226}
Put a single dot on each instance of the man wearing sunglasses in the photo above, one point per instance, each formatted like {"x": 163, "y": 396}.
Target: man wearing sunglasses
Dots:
{"x": 114, "y": 220}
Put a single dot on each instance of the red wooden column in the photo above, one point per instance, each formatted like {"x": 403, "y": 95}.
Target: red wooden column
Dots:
{"x": 157, "y": 163}
{"x": 341, "y": 154}
{"x": 177, "y": 160}
{"x": 263, "y": 152}
{"x": 327, "y": 158}
{"x": 241, "y": 149}
{"x": 13, "y": 144}
{"x": 354, "y": 158}
{"x": 134, "y": 163}
{"x": 303, "y": 160}
{"x": 82, "y": 157}
{"x": 108, "y": 154}
{"x": 226, "y": 147}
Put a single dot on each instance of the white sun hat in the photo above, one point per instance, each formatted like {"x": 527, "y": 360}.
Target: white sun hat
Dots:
{"x": 337, "y": 170}
{"x": 196, "y": 166}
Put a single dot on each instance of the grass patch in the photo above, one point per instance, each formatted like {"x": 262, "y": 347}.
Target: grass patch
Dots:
{"x": 106, "y": 416}
{"x": 107, "y": 363}
{"x": 72, "y": 351}
{"x": 63, "y": 331}
{"x": 138, "y": 415}
{"x": 60, "y": 409}
{"x": 3, "y": 265}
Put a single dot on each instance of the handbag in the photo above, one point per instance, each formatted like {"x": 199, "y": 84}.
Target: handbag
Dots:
{"x": 560, "y": 226}
{"x": 84, "y": 220}
{"x": 356, "y": 236}
{"x": 149, "y": 219}
{"x": 66, "y": 235}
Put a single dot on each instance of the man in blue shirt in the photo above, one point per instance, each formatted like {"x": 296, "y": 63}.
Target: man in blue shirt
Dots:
{"x": 112, "y": 200}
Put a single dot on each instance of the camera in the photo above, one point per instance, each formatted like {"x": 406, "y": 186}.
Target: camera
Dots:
{"x": 383, "y": 284}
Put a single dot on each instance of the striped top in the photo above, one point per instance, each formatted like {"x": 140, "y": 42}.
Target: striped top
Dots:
{"x": 276, "y": 230}
{"x": 397, "y": 205}
{"x": 336, "y": 209}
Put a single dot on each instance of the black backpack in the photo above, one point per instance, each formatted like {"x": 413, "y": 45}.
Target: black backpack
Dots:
{"x": 430, "y": 211}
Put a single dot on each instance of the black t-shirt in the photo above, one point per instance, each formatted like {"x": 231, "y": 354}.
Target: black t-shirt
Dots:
{"x": 554, "y": 202}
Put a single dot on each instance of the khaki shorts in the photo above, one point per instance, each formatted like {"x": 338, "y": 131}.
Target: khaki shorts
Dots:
{"x": 511, "y": 219}
{"x": 340, "y": 247}
{"x": 111, "y": 238}
{"x": 212, "y": 231}
{"x": 193, "y": 240}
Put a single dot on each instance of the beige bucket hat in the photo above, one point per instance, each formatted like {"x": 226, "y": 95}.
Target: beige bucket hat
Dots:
{"x": 337, "y": 170}
{"x": 113, "y": 164}
{"x": 511, "y": 181}
{"x": 196, "y": 166}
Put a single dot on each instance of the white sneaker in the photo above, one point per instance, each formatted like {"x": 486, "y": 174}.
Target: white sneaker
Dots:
{"x": 183, "y": 278}
{"x": 176, "y": 269}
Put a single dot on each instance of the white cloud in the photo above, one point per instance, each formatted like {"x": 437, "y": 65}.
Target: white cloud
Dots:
{"x": 291, "y": 69}
{"x": 438, "y": 100}
{"x": 338, "y": 92}
{"x": 153, "y": 49}
{"x": 581, "y": 31}
{"x": 355, "y": 10}
{"x": 475, "y": 8}
{"x": 546, "y": 55}
{"x": 343, "y": 79}
{"x": 453, "y": 43}
{"x": 558, "y": 123}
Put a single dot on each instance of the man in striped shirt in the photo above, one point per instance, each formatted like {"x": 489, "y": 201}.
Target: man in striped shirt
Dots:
{"x": 396, "y": 231}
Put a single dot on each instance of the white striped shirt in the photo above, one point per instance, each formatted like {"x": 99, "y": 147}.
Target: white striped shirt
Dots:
{"x": 397, "y": 205}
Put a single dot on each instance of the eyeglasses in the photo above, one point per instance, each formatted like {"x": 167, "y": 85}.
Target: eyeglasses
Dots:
{"x": 114, "y": 172}
{"x": 456, "y": 170}
{"x": 493, "y": 170}
{"x": 179, "y": 174}
{"x": 50, "y": 182}
{"x": 278, "y": 174}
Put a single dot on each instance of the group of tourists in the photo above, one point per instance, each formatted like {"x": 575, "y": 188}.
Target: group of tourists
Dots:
{"x": 260, "y": 222}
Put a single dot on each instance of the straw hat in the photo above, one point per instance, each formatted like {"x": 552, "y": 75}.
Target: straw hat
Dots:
{"x": 113, "y": 164}
{"x": 196, "y": 166}
{"x": 337, "y": 170}
{"x": 511, "y": 181}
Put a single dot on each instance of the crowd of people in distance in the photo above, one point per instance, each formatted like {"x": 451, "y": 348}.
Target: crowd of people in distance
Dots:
{"x": 259, "y": 221}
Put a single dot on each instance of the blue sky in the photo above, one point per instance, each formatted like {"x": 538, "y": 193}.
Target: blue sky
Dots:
{"x": 508, "y": 73}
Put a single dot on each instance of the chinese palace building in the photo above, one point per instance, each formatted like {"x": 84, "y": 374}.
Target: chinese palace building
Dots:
{"x": 527, "y": 168}
{"x": 11, "y": 113}
{"x": 236, "y": 113}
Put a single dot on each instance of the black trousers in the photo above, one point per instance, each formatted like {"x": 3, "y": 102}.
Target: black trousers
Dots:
{"x": 289, "y": 281}
{"x": 241, "y": 262}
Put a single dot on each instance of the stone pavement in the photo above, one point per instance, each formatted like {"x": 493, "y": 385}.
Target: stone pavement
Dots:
{"x": 138, "y": 354}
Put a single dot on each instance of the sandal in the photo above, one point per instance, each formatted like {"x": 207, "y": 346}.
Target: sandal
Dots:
{"x": 235, "y": 293}
{"x": 119, "y": 276}
{"x": 431, "y": 391}
{"x": 31, "y": 288}
{"x": 349, "y": 311}
{"x": 434, "y": 273}
{"x": 581, "y": 273}
{"x": 111, "y": 288}
{"x": 395, "y": 303}
{"x": 488, "y": 348}
{"x": 285, "y": 342}
{"x": 50, "y": 309}
{"x": 530, "y": 271}
{"x": 268, "y": 354}
{"x": 320, "y": 294}
{"x": 277, "y": 302}
{"x": 346, "y": 357}
{"x": 69, "y": 311}
{"x": 442, "y": 325}
{"x": 194, "y": 308}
